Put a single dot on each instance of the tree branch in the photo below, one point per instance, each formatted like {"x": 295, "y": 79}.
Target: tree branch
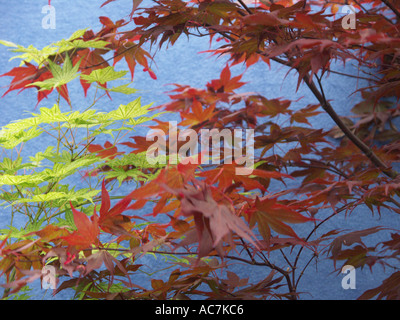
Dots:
{"x": 393, "y": 8}
{"x": 349, "y": 134}
{"x": 245, "y": 7}
{"x": 331, "y": 112}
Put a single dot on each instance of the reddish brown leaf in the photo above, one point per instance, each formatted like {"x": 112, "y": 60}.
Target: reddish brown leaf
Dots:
{"x": 214, "y": 222}
{"x": 87, "y": 231}
{"x": 269, "y": 214}
{"x": 112, "y": 220}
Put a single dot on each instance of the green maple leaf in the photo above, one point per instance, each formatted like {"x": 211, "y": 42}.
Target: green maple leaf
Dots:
{"x": 103, "y": 75}
{"x": 129, "y": 111}
{"x": 61, "y": 76}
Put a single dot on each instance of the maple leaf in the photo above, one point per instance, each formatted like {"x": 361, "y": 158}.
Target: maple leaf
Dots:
{"x": 108, "y": 151}
{"x": 269, "y": 214}
{"x": 87, "y": 231}
{"x": 96, "y": 260}
{"x": 226, "y": 176}
{"x": 111, "y": 220}
{"x": 21, "y": 77}
{"x": 110, "y": 29}
{"x": 389, "y": 289}
{"x": 134, "y": 54}
{"x": 61, "y": 76}
{"x": 141, "y": 144}
{"x": 348, "y": 239}
{"x": 198, "y": 115}
{"x": 174, "y": 177}
{"x": 50, "y": 233}
{"x": 264, "y": 19}
{"x": 26, "y": 75}
{"x": 103, "y": 75}
{"x": 90, "y": 61}
{"x": 18, "y": 284}
{"x": 225, "y": 83}
{"x": 214, "y": 222}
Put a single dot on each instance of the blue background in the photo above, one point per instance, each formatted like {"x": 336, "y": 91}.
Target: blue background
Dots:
{"x": 21, "y": 23}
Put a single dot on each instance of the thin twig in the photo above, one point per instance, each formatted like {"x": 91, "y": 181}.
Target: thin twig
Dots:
{"x": 284, "y": 273}
{"x": 304, "y": 269}
{"x": 350, "y": 75}
{"x": 245, "y": 7}
{"x": 345, "y": 207}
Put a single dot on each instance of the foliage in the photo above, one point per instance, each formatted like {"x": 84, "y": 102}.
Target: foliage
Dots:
{"x": 206, "y": 217}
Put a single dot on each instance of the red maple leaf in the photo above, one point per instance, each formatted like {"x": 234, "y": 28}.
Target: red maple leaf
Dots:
{"x": 214, "y": 222}
{"x": 90, "y": 60}
{"x": 111, "y": 220}
{"x": 87, "y": 231}
{"x": 226, "y": 176}
{"x": 269, "y": 214}
{"x": 108, "y": 151}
